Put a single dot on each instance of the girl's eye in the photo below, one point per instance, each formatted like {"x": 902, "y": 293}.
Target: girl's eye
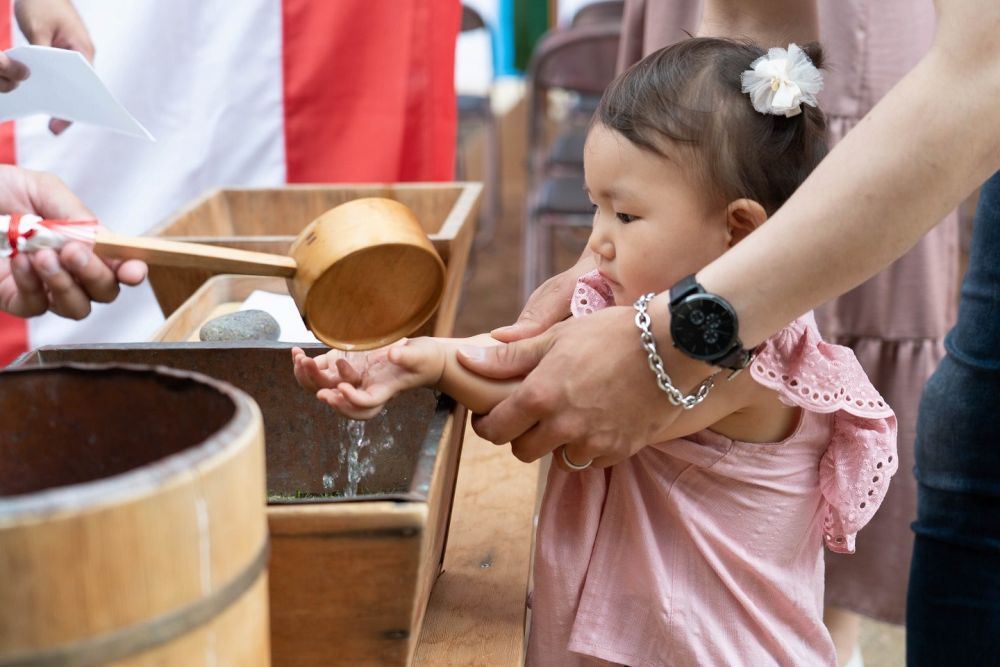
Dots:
{"x": 593, "y": 207}
{"x": 626, "y": 218}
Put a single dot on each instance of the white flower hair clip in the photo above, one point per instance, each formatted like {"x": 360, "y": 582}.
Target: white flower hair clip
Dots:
{"x": 779, "y": 82}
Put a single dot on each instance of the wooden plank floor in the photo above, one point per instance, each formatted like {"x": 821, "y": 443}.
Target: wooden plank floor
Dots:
{"x": 477, "y": 608}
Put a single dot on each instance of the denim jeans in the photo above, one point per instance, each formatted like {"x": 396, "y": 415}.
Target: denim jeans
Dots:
{"x": 953, "y": 606}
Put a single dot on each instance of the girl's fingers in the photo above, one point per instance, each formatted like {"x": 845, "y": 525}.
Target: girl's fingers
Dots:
{"x": 311, "y": 376}
{"x": 348, "y": 372}
{"x": 338, "y": 401}
{"x": 331, "y": 397}
{"x": 301, "y": 376}
{"x": 359, "y": 397}
{"x": 322, "y": 378}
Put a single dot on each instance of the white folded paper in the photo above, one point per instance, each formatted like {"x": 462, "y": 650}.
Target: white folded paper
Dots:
{"x": 64, "y": 85}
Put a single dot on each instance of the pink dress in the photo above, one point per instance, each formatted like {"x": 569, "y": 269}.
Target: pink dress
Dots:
{"x": 706, "y": 550}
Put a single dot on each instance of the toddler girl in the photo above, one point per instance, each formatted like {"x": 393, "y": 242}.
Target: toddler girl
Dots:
{"x": 705, "y": 547}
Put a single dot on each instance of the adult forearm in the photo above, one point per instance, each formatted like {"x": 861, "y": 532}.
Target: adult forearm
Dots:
{"x": 923, "y": 148}
{"x": 767, "y": 22}
{"x": 933, "y": 139}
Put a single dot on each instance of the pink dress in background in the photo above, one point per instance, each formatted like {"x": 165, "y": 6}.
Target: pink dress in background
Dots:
{"x": 706, "y": 550}
{"x": 895, "y": 322}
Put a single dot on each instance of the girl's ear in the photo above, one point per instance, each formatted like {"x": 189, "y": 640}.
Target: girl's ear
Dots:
{"x": 742, "y": 217}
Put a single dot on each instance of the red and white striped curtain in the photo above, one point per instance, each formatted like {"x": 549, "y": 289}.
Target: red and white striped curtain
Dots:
{"x": 249, "y": 93}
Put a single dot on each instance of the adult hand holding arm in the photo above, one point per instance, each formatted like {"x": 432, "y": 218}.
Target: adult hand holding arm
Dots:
{"x": 923, "y": 148}
{"x": 46, "y": 23}
{"x": 588, "y": 385}
{"x": 65, "y": 282}
{"x": 548, "y": 304}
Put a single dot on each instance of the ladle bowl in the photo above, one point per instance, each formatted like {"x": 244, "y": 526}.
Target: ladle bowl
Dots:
{"x": 363, "y": 274}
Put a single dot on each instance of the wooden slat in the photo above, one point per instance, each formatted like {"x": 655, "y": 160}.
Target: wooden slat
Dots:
{"x": 477, "y": 608}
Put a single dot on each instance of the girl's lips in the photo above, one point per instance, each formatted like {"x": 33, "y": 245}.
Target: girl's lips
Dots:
{"x": 608, "y": 279}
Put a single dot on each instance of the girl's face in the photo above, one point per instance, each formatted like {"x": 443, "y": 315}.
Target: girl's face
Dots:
{"x": 653, "y": 224}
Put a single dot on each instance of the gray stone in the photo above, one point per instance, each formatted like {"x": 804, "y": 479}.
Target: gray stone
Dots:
{"x": 241, "y": 325}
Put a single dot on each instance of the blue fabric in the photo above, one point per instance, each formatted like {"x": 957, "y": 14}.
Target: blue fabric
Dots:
{"x": 953, "y": 607}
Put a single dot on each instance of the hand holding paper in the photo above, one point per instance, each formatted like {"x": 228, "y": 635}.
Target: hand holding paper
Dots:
{"x": 12, "y": 73}
{"x": 63, "y": 84}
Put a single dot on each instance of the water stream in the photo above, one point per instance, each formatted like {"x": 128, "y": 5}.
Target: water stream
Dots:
{"x": 357, "y": 464}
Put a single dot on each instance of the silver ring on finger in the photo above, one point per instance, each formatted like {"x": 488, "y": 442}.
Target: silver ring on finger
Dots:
{"x": 571, "y": 465}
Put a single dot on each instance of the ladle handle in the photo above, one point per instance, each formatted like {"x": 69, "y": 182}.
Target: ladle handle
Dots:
{"x": 158, "y": 251}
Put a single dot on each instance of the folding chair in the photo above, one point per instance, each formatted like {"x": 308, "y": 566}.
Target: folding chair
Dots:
{"x": 604, "y": 11}
{"x": 580, "y": 60}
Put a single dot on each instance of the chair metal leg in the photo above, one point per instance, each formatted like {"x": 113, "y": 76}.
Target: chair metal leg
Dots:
{"x": 492, "y": 206}
{"x": 545, "y": 261}
{"x": 529, "y": 256}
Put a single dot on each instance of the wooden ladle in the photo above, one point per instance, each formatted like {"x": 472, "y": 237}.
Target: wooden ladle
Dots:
{"x": 363, "y": 274}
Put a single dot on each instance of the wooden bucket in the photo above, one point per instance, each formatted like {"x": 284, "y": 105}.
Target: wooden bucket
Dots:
{"x": 132, "y": 519}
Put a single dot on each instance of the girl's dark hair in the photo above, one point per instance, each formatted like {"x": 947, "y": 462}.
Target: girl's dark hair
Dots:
{"x": 691, "y": 93}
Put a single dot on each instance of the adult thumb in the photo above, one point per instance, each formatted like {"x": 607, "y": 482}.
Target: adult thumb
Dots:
{"x": 503, "y": 362}
{"x": 527, "y": 325}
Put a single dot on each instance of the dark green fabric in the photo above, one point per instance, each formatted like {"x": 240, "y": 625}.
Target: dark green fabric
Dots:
{"x": 531, "y": 20}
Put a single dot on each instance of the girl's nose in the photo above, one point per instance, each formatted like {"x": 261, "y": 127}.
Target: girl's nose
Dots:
{"x": 599, "y": 241}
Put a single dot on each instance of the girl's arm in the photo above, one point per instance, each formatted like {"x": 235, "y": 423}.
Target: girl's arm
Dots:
{"x": 475, "y": 392}
{"x": 359, "y": 384}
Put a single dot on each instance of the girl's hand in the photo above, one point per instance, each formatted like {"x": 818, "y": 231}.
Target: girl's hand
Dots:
{"x": 316, "y": 373}
{"x": 360, "y": 390}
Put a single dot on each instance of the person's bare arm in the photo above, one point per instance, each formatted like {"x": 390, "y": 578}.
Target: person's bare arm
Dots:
{"x": 767, "y": 22}
{"x": 922, "y": 149}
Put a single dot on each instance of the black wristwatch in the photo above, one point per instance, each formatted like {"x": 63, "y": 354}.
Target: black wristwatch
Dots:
{"x": 704, "y": 326}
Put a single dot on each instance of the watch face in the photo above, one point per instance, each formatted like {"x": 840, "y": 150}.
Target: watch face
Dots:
{"x": 703, "y": 326}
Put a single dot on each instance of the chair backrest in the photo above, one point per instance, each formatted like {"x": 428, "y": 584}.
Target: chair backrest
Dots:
{"x": 603, "y": 11}
{"x": 581, "y": 60}
{"x": 471, "y": 19}
{"x": 578, "y": 59}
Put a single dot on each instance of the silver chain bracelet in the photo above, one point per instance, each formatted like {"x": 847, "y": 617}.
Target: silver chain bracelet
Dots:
{"x": 675, "y": 395}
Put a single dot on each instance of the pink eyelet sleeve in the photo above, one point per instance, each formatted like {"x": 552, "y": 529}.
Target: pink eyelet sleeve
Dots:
{"x": 861, "y": 457}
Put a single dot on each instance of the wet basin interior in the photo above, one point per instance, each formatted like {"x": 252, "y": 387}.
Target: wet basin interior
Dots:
{"x": 65, "y": 426}
{"x": 308, "y": 445}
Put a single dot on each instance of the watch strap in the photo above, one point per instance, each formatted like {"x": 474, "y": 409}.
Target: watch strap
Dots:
{"x": 683, "y": 288}
{"x": 737, "y": 358}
